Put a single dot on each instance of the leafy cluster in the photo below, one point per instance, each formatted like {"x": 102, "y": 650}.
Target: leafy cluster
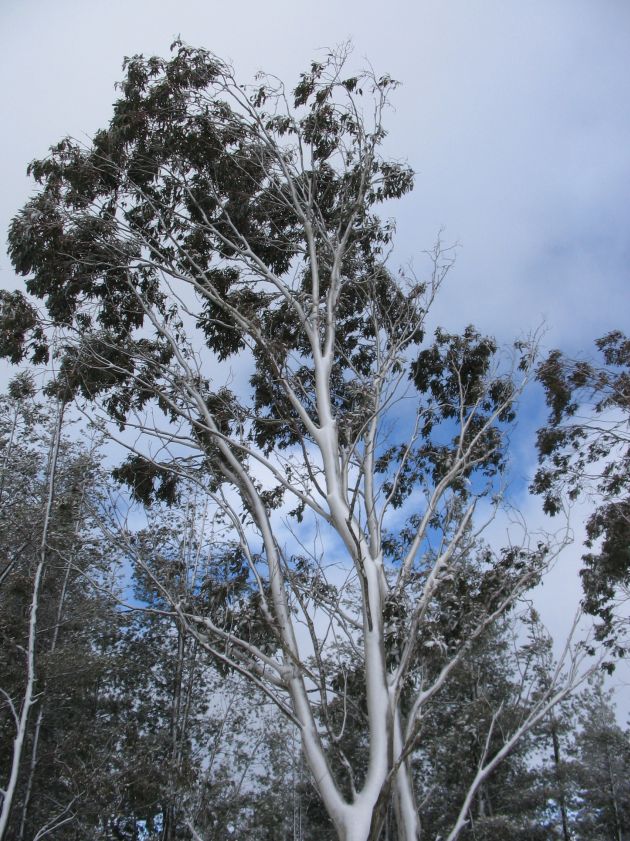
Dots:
{"x": 195, "y": 181}
{"x": 585, "y": 449}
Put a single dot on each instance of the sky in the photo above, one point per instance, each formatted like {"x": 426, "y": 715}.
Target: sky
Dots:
{"x": 515, "y": 117}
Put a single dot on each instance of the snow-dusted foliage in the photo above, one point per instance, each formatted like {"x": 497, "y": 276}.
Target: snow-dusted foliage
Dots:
{"x": 216, "y": 288}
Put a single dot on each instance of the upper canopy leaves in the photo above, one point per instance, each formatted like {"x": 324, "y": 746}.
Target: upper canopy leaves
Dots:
{"x": 247, "y": 216}
{"x": 201, "y": 182}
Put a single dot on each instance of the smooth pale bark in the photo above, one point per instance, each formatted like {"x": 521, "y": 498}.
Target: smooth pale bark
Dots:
{"x": 27, "y": 703}
{"x": 407, "y": 818}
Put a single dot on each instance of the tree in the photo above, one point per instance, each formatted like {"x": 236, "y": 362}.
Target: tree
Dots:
{"x": 214, "y": 225}
{"x": 585, "y": 449}
{"x": 601, "y": 769}
{"x": 20, "y": 708}
{"x": 53, "y": 625}
{"x": 464, "y": 728}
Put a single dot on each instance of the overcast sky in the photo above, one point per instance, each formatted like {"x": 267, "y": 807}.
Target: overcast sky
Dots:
{"x": 515, "y": 115}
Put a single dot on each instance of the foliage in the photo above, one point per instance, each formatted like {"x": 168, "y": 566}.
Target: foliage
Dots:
{"x": 585, "y": 450}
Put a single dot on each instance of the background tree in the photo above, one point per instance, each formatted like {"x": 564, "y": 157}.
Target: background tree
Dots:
{"x": 602, "y": 764}
{"x": 116, "y": 740}
{"x": 471, "y": 718}
{"x": 55, "y": 630}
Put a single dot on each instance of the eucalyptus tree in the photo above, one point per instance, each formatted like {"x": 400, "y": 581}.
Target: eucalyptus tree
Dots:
{"x": 216, "y": 295}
